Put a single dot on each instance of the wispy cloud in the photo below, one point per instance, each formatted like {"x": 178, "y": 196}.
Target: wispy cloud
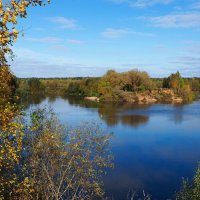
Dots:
{"x": 54, "y": 40}
{"x": 143, "y": 3}
{"x": 59, "y": 47}
{"x": 111, "y": 33}
{"x": 72, "y": 41}
{"x": 180, "y": 20}
{"x": 191, "y": 47}
{"x": 188, "y": 61}
{"x": 29, "y": 63}
{"x": 194, "y": 48}
{"x": 25, "y": 67}
{"x": 196, "y": 5}
{"x": 45, "y": 39}
{"x": 65, "y": 23}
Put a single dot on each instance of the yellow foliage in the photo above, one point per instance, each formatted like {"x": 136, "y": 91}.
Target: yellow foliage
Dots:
{"x": 11, "y": 128}
{"x": 9, "y": 13}
{"x": 11, "y": 147}
{"x": 7, "y": 84}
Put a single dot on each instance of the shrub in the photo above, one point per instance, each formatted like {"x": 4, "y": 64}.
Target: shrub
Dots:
{"x": 64, "y": 163}
{"x": 190, "y": 190}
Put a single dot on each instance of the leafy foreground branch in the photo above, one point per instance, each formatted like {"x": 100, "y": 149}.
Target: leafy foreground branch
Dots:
{"x": 190, "y": 190}
{"x": 10, "y": 12}
{"x": 55, "y": 163}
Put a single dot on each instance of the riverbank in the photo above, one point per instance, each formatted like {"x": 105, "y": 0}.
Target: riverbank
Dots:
{"x": 146, "y": 97}
{"x": 132, "y": 86}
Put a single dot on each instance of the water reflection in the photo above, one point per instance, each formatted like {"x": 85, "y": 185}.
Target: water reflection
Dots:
{"x": 134, "y": 120}
{"x": 178, "y": 113}
{"x": 127, "y": 114}
{"x": 111, "y": 113}
{"x": 34, "y": 99}
{"x": 114, "y": 114}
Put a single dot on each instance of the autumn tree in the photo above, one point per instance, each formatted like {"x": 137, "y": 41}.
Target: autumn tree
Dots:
{"x": 175, "y": 82}
{"x": 35, "y": 85}
{"x": 11, "y": 147}
{"x": 165, "y": 83}
{"x": 110, "y": 85}
{"x": 136, "y": 81}
{"x": 113, "y": 85}
{"x": 181, "y": 86}
{"x": 186, "y": 92}
{"x": 8, "y": 85}
{"x": 195, "y": 84}
{"x": 90, "y": 86}
{"x": 74, "y": 88}
{"x": 11, "y": 133}
{"x": 10, "y": 12}
{"x": 65, "y": 163}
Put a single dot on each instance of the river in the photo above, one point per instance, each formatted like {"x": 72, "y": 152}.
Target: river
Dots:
{"x": 154, "y": 146}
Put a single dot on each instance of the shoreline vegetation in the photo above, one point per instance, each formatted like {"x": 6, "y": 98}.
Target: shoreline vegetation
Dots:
{"x": 132, "y": 87}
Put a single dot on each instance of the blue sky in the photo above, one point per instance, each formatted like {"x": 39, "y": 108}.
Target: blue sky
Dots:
{"x": 87, "y": 37}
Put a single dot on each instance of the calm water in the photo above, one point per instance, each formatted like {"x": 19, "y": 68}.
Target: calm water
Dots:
{"x": 154, "y": 145}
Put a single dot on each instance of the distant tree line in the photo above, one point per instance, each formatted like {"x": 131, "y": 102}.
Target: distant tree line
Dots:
{"x": 112, "y": 86}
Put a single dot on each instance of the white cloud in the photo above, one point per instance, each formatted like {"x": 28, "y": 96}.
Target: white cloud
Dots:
{"x": 143, "y": 3}
{"x": 44, "y": 39}
{"x": 65, "y": 23}
{"x": 181, "y": 20}
{"x": 111, "y": 33}
{"x": 147, "y": 3}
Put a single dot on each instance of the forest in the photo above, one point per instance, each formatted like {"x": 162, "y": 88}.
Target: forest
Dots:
{"x": 113, "y": 86}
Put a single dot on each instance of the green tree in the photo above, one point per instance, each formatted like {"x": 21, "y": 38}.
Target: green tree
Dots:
{"x": 187, "y": 92}
{"x": 175, "y": 81}
{"x": 74, "y": 88}
{"x": 110, "y": 85}
{"x": 195, "y": 84}
{"x": 166, "y": 82}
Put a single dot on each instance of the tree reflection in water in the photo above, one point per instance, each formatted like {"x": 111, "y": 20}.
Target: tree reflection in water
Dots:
{"x": 111, "y": 113}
